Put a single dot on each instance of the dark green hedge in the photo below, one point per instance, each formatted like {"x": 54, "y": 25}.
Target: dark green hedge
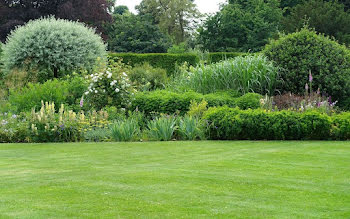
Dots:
{"x": 219, "y": 56}
{"x": 158, "y": 60}
{"x": 167, "y": 102}
{"x": 234, "y": 124}
{"x": 168, "y": 61}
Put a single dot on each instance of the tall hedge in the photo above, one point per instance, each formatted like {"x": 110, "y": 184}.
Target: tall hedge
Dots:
{"x": 304, "y": 51}
{"x": 158, "y": 60}
{"x": 168, "y": 61}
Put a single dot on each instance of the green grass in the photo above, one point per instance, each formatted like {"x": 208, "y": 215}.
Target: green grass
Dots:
{"x": 176, "y": 180}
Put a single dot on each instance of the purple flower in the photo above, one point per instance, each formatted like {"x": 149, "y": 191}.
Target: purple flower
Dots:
{"x": 330, "y": 100}
{"x": 318, "y": 104}
{"x": 14, "y": 116}
{"x": 310, "y": 77}
{"x": 62, "y": 127}
{"x": 82, "y": 101}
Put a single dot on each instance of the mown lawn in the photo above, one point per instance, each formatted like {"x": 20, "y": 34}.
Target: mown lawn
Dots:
{"x": 176, "y": 180}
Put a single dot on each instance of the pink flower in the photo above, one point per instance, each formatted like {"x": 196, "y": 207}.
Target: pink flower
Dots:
{"x": 310, "y": 77}
{"x": 82, "y": 101}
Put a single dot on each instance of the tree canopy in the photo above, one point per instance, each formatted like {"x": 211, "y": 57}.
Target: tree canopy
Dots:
{"x": 242, "y": 25}
{"x": 18, "y": 12}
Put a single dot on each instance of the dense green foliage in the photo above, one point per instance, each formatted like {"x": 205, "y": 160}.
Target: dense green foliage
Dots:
{"x": 220, "y": 56}
{"x": 252, "y": 73}
{"x": 235, "y": 124}
{"x": 132, "y": 33}
{"x": 145, "y": 77}
{"x": 329, "y": 18}
{"x": 52, "y": 48}
{"x": 157, "y": 60}
{"x": 174, "y": 17}
{"x": 241, "y": 26}
{"x": 169, "y": 102}
{"x": 67, "y": 92}
{"x": 305, "y": 51}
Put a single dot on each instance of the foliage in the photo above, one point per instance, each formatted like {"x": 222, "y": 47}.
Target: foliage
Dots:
{"x": 191, "y": 128}
{"x": 48, "y": 126}
{"x": 329, "y": 18}
{"x": 197, "y": 109}
{"x": 157, "y": 60}
{"x": 301, "y": 52}
{"x": 64, "y": 91}
{"x": 146, "y": 78}
{"x": 174, "y": 17}
{"x": 178, "y": 49}
{"x": 233, "y": 124}
{"x": 253, "y": 73}
{"x": 162, "y": 128}
{"x": 241, "y": 26}
{"x": 215, "y": 57}
{"x": 127, "y": 130}
{"x": 14, "y": 13}
{"x": 313, "y": 100}
{"x": 52, "y": 48}
{"x": 133, "y": 33}
{"x": 13, "y": 128}
{"x": 97, "y": 135}
{"x": 341, "y": 126}
{"x": 109, "y": 86}
{"x": 169, "y": 102}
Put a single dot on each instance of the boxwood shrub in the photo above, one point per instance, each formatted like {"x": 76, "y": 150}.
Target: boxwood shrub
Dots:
{"x": 226, "y": 123}
{"x": 163, "y": 101}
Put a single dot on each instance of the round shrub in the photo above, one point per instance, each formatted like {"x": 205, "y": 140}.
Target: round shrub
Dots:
{"x": 52, "y": 48}
{"x": 306, "y": 51}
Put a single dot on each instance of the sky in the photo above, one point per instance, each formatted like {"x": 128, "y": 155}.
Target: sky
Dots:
{"x": 204, "y": 6}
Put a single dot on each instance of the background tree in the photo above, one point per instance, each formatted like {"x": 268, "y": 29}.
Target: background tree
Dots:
{"x": 329, "y": 18}
{"x": 174, "y": 17}
{"x": 133, "y": 33}
{"x": 15, "y": 12}
{"x": 241, "y": 26}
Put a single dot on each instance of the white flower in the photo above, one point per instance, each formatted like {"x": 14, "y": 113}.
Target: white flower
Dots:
{"x": 96, "y": 91}
{"x": 87, "y": 92}
{"x": 117, "y": 90}
{"x": 125, "y": 74}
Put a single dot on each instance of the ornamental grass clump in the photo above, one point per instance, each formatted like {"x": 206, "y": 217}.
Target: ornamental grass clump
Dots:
{"x": 253, "y": 73}
{"x": 162, "y": 128}
{"x": 127, "y": 130}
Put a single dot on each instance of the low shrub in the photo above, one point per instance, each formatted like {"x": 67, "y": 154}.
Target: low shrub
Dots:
{"x": 147, "y": 78}
{"x": 13, "y": 128}
{"x": 234, "y": 124}
{"x": 158, "y": 60}
{"x": 341, "y": 126}
{"x": 97, "y": 135}
{"x": 168, "y": 102}
{"x": 68, "y": 91}
{"x": 253, "y": 73}
{"x": 109, "y": 86}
